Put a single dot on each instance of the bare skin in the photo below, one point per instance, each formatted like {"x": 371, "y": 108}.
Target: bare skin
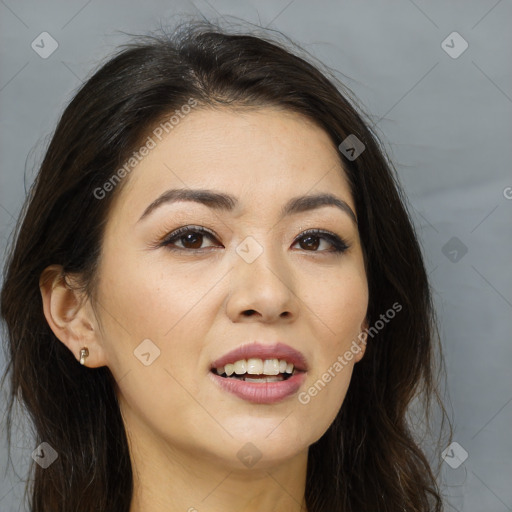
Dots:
{"x": 185, "y": 431}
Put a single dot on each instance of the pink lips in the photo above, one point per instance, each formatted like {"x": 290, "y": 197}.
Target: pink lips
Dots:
{"x": 262, "y": 392}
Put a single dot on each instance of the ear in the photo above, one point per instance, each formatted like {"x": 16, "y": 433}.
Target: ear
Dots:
{"x": 70, "y": 316}
{"x": 362, "y": 339}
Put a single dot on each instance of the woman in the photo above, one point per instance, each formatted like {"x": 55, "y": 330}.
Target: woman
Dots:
{"x": 215, "y": 299}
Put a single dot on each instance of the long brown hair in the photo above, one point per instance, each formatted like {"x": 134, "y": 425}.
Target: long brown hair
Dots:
{"x": 370, "y": 457}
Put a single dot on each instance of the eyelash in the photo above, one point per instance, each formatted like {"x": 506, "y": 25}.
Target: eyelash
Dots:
{"x": 338, "y": 243}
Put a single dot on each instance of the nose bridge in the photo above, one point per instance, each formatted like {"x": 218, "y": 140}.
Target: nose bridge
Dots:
{"x": 260, "y": 259}
{"x": 261, "y": 280}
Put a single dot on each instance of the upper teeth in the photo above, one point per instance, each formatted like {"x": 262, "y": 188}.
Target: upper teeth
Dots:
{"x": 256, "y": 367}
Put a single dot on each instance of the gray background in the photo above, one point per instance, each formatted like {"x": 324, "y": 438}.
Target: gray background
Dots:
{"x": 446, "y": 123}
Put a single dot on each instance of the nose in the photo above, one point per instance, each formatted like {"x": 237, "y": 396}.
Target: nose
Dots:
{"x": 262, "y": 291}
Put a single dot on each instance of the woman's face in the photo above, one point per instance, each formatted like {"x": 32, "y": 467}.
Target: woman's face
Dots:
{"x": 169, "y": 311}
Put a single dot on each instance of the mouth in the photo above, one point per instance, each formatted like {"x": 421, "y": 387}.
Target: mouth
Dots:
{"x": 260, "y": 373}
{"x": 257, "y": 370}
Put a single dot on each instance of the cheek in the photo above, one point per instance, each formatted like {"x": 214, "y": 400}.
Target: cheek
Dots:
{"x": 322, "y": 398}
{"x": 168, "y": 305}
{"x": 163, "y": 314}
{"x": 339, "y": 305}
{"x": 339, "y": 313}
{"x": 152, "y": 299}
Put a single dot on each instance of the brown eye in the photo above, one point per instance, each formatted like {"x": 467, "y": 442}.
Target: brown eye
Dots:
{"x": 192, "y": 240}
{"x": 311, "y": 240}
{"x": 190, "y": 237}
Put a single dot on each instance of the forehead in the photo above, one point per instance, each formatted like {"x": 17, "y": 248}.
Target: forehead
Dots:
{"x": 263, "y": 156}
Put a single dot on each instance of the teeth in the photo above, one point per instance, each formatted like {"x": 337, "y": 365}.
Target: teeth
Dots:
{"x": 271, "y": 367}
{"x": 241, "y": 367}
{"x": 267, "y": 379}
{"x": 254, "y": 366}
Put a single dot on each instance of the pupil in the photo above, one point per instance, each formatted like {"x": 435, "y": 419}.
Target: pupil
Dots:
{"x": 188, "y": 239}
{"x": 309, "y": 244}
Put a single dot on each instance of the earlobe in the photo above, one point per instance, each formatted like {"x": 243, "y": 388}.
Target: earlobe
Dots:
{"x": 70, "y": 317}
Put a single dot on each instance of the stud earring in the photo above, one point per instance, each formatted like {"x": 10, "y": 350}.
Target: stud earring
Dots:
{"x": 84, "y": 353}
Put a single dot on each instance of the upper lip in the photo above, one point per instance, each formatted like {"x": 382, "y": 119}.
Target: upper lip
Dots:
{"x": 263, "y": 351}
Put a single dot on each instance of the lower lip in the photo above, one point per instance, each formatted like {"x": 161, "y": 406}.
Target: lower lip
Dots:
{"x": 261, "y": 393}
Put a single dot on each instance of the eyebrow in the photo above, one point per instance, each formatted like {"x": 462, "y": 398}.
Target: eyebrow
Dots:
{"x": 226, "y": 202}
